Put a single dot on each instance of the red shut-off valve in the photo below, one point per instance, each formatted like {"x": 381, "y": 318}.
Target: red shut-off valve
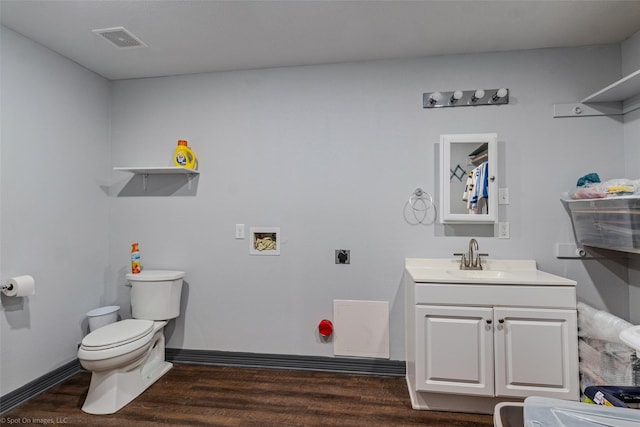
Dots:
{"x": 325, "y": 328}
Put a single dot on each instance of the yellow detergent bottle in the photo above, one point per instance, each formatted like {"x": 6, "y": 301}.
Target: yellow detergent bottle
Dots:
{"x": 184, "y": 157}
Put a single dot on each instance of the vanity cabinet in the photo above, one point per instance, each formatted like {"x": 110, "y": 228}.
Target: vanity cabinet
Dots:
{"x": 501, "y": 351}
{"x": 473, "y": 344}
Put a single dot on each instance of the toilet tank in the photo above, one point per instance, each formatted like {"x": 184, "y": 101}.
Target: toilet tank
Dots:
{"x": 155, "y": 294}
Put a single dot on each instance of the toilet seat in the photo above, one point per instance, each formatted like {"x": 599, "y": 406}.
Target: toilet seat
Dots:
{"x": 116, "y": 339}
{"x": 117, "y": 334}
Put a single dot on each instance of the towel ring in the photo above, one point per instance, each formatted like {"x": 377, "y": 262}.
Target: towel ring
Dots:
{"x": 420, "y": 202}
{"x": 423, "y": 196}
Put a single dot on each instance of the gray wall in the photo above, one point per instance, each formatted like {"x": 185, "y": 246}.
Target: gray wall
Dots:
{"x": 54, "y": 160}
{"x": 631, "y": 54}
{"x": 328, "y": 153}
{"x": 630, "y": 64}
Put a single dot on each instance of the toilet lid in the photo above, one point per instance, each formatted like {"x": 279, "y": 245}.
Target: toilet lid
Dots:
{"x": 118, "y": 333}
{"x": 155, "y": 275}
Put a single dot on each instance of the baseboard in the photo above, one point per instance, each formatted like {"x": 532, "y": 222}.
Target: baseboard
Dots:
{"x": 395, "y": 368}
{"x": 39, "y": 385}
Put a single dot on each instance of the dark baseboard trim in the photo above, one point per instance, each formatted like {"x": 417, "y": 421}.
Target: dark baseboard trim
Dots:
{"x": 395, "y": 368}
{"x": 39, "y": 385}
{"x": 344, "y": 365}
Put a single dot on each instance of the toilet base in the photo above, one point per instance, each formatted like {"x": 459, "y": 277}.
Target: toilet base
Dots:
{"x": 110, "y": 391}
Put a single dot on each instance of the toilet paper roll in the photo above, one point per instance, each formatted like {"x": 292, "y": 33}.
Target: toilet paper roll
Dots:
{"x": 581, "y": 253}
{"x": 20, "y": 286}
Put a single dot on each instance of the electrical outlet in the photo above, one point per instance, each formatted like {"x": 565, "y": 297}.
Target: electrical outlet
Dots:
{"x": 503, "y": 230}
{"x": 343, "y": 256}
{"x": 239, "y": 231}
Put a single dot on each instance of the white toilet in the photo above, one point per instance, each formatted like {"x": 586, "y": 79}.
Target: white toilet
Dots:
{"x": 126, "y": 357}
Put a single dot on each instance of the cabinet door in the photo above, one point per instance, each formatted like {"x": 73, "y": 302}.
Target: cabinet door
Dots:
{"x": 454, "y": 350}
{"x": 536, "y": 352}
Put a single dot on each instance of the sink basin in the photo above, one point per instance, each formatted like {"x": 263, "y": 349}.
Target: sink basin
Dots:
{"x": 496, "y": 271}
{"x": 478, "y": 274}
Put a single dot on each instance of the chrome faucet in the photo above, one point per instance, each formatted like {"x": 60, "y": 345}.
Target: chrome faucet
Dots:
{"x": 474, "y": 262}
{"x": 468, "y": 261}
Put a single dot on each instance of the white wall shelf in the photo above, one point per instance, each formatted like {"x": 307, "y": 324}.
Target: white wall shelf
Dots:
{"x": 156, "y": 170}
{"x": 619, "y": 98}
{"x": 621, "y": 90}
{"x": 145, "y": 171}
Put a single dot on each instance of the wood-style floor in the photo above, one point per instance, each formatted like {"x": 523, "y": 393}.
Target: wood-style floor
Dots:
{"x": 195, "y": 395}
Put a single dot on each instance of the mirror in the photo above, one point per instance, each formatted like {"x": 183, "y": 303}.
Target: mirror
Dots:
{"x": 468, "y": 181}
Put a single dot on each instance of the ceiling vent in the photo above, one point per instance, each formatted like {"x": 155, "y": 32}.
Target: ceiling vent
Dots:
{"x": 120, "y": 37}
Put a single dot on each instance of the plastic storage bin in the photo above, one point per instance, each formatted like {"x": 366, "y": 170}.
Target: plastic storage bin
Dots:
{"x": 544, "y": 411}
{"x": 102, "y": 316}
{"x": 508, "y": 414}
{"x": 611, "y": 223}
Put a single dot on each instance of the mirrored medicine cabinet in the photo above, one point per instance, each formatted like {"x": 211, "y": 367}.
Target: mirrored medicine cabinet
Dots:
{"x": 468, "y": 181}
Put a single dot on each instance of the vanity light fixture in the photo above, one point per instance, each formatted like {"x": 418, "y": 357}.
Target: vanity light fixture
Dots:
{"x": 465, "y": 98}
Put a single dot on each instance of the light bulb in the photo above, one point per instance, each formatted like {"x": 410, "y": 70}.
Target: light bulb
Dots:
{"x": 434, "y": 98}
{"x": 457, "y": 95}
{"x": 477, "y": 95}
{"x": 501, "y": 93}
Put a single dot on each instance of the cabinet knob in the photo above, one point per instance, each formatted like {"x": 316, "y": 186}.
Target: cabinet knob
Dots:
{"x": 489, "y": 321}
{"x": 501, "y": 321}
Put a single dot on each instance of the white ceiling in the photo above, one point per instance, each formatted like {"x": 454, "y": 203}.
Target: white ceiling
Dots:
{"x": 190, "y": 36}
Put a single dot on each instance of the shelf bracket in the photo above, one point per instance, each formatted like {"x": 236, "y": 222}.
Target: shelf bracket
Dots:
{"x": 189, "y": 178}
{"x": 579, "y": 109}
{"x": 145, "y": 177}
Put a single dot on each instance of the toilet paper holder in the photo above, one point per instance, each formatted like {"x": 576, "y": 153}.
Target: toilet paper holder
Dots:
{"x": 19, "y": 286}
{"x": 6, "y": 288}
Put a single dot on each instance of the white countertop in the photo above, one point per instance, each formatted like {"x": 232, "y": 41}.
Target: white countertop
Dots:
{"x": 501, "y": 272}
